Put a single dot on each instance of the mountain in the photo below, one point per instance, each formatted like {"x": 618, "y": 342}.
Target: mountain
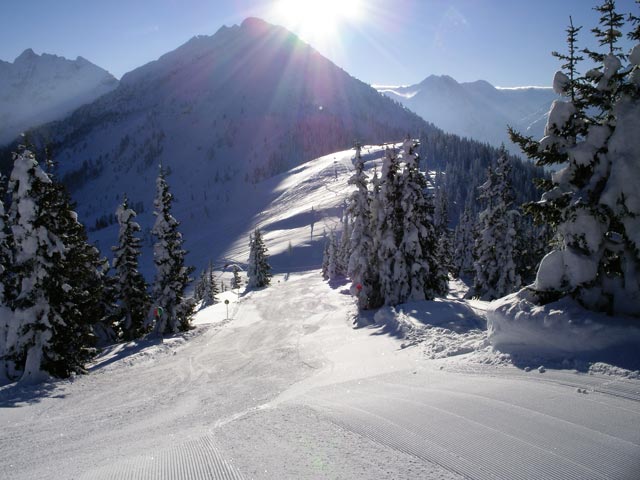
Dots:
{"x": 477, "y": 110}
{"x": 36, "y": 89}
{"x": 225, "y": 114}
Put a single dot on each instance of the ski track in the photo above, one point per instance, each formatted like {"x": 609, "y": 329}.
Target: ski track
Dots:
{"x": 195, "y": 460}
{"x": 465, "y": 434}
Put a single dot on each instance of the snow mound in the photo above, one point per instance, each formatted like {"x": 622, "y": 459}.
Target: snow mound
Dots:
{"x": 443, "y": 328}
{"x": 561, "y": 330}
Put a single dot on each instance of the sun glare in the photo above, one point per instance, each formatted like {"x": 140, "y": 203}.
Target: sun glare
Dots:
{"x": 317, "y": 20}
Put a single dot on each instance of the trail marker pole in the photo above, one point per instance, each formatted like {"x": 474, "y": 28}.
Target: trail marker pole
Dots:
{"x": 226, "y": 302}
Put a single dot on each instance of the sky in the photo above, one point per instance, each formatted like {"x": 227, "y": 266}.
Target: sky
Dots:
{"x": 383, "y": 42}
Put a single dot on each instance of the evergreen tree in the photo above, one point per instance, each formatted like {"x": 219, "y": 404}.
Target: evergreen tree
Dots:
{"x": 325, "y": 257}
{"x": 201, "y": 285}
{"x": 107, "y": 329}
{"x": 442, "y": 231}
{"x": 495, "y": 246}
{"x": 258, "y": 268}
{"x": 344, "y": 248}
{"x": 362, "y": 263}
{"x": 428, "y": 277}
{"x": 172, "y": 276}
{"x": 333, "y": 257}
{"x": 393, "y": 271}
{"x": 464, "y": 240}
{"x": 402, "y": 212}
{"x": 236, "y": 282}
{"x": 592, "y": 202}
{"x": 6, "y": 315}
{"x": 210, "y": 289}
{"x": 130, "y": 289}
{"x": 57, "y": 287}
{"x": 82, "y": 284}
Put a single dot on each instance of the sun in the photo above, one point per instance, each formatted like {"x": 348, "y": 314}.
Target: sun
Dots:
{"x": 317, "y": 20}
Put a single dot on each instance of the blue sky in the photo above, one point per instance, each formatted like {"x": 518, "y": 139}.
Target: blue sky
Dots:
{"x": 507, "y": 42}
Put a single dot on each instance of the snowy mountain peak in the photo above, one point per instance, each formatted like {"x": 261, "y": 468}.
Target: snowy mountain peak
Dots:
{"x": 256, "y": 24}
{"x": 37, "y": 89}
{"x": 477, "y": 109}
{"x": 223, "y": 113}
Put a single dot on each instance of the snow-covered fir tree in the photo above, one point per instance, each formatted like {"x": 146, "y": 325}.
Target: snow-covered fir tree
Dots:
{"x": 325, "y": 258}
{"x": 5, "y": 270}
{"x": 464, "y": 240}
{"x": 258, "y": 268}
{"x": 236, "y": 281}
{"x": 404, "y": 234}
{"x": 172, "y": 275}
{"x": 393, "y": 270}
{"x": 198, "y": 290}
{"x": 344, "y": 247}
{"x": 81, "y": 274}
{"x": 57, "y": 287}
{"x": 532, "y": 244}
{"x": 495, "y": 267}
{"x": 361, "y": 267}
{"x": 593, "y": 202}
{"x": 332, "y": 257}
{"x": 107, "y": 329}
{"x": 210, "y": 289}
{"x": 130, "y": 288}
{"x": 428, "y": 275}
{"x": 441, "y": 225}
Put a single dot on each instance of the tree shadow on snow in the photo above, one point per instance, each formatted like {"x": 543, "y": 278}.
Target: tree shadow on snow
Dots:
{"x": 619, "y": 356}
{"x": 17, "y": 395}
{"x": 120, "y": 351}
{"x": 397, "y": 321}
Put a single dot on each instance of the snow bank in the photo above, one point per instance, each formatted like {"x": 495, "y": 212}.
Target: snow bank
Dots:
{"x": 559, "y": 329}
{"x": 443, "y": 328}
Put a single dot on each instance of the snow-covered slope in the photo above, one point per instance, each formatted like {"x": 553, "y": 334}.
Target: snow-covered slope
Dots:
{"x": 287, "y": 388}
{"x": 282, "y": 384}
{"x": 477, "y": 110}
{"x": 36, "y": 89}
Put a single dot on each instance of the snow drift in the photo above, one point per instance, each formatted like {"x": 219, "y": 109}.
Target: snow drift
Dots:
{"x": 558, "y": 330}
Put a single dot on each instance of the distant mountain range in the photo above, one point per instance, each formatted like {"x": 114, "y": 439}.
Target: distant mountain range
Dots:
{"x": 37, "y": 89}
{"x": 477, "y": 110}
{"x": 224, "y": 113}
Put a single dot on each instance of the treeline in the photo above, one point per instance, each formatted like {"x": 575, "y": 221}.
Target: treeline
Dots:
{"x": 59, "y": 298}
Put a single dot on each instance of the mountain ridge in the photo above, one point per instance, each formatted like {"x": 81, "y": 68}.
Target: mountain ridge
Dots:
{"x": 477, "y": 109}
{"x": 37, "y": 89}
{"x": 223, "y": 113}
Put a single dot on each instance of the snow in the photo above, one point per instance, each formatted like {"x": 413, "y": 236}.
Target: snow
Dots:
{"x": 291, "y": 383}
{"x": 560, "y": 82}
{"x": 288, "y": 388}
{"x": 625, "y": 167}
{"x": 611, "y": 66}
{"x": 560, "y": 330}
{"x": 559, "y": 115}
